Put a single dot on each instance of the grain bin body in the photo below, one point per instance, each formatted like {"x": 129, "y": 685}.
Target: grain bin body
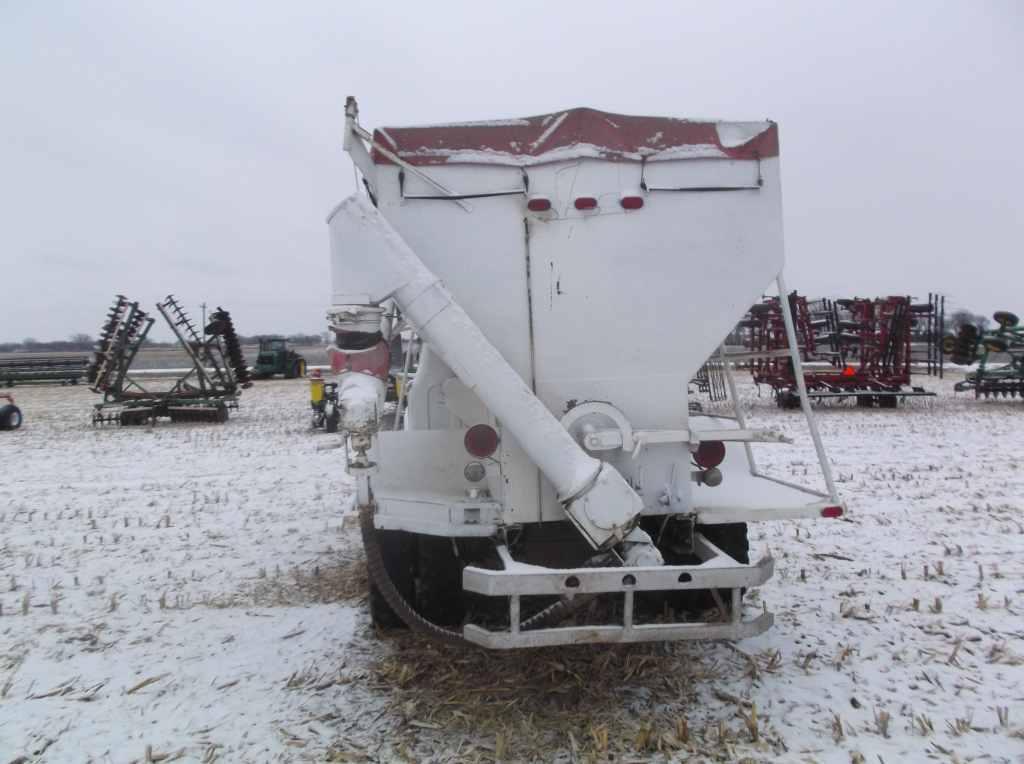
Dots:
{"x": 604, "y": 257}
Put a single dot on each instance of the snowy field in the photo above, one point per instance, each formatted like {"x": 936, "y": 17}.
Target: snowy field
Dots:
{"x": 196, "y": 593}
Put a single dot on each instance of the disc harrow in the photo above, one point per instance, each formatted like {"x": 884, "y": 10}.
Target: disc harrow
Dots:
{"x": 204, "y": 393}
{"x": 222, "y": 326}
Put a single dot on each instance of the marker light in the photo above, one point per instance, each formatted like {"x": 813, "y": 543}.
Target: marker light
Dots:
{"x": 709, "y": 453}
{"x": 481, "y": 440}
{"x": 538, "y": 204}
{"x": 631, "y": 202}
{"x": 585, "y": 203}
{"x": 832, "y": 512}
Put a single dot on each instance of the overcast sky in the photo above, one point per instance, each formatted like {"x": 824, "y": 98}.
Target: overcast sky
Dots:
{"x": 195, "y": 147}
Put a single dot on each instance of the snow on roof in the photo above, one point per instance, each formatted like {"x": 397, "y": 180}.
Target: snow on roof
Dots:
{"x": 577, "y": 133}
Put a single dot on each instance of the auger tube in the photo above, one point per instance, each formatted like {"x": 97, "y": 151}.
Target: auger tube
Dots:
{"x": 598, "y": 500}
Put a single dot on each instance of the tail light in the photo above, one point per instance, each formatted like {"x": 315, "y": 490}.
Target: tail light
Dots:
{"x": 832, "y": 512}
{"x": 585, "y": 203}
{"x": 538, "y": 204}
{"x": 631, "y": 202}
{"x": 481, "y": 441}
{"x": 710, "y": 453}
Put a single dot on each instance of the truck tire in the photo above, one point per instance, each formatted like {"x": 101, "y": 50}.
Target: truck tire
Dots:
{"x": 399, "y": 551}
{"x": 10, "y": 417}
{"x": 439, "y": 583}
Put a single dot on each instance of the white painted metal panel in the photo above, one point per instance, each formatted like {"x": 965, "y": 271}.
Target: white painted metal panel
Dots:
{"x": 640, "y": 299}
{"x": 480, "y": 255}
{"x": 703, "y": 173}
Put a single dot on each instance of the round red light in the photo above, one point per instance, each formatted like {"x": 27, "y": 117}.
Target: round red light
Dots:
{"x": 832, "y": 512}
{"x": 481, "y": 440}
{"x": 586, "y": 203}
{"x": 709, "y": 453}
{"x": 631, "y": 202}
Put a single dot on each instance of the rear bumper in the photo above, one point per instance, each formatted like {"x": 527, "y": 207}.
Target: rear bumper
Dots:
{"x": 716, "y": 571}
{"x": 655, "y": 632}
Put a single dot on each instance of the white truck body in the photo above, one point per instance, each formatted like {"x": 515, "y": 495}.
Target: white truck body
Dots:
{"x": 658, "y": 235}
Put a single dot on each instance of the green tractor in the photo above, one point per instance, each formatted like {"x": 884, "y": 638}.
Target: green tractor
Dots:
{"x": 275, "y": 357}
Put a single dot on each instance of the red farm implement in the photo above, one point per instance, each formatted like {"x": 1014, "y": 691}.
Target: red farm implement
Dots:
{"x": 851, "y": 348}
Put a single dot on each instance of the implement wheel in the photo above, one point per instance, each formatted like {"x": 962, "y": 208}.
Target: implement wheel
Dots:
{"x": 10, "y": 417}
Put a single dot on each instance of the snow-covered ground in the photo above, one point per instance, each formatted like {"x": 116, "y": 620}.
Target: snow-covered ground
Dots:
{"x": 196, "y": 592}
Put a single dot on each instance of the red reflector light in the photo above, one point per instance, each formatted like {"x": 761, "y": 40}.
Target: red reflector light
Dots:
{"x": 709, "y": 453}
{"x": 832, "y": 512}
{"x": 586, "y": 203}
{"x": 481, "y": 440}
{"x": 631, "y": 202}
{"x": 538, "y": 204}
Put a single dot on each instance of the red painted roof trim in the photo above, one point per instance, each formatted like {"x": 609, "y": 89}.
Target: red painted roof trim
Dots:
{"x": 566, "y": 135}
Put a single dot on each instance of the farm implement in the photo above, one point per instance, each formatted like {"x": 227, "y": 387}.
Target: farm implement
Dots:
{"x": 993, "y": 377}
{"x": 204, "y": 393}
{"x": 854, "y": 348}
{"x": 64, "y": 369}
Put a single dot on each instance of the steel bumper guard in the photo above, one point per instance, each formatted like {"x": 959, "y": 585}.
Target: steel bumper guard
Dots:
{"x": 718, "y": 572}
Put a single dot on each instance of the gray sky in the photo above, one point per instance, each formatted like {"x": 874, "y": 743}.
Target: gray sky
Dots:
{"x": 195, "y": 147}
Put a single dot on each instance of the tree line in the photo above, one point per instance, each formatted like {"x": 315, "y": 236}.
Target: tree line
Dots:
{"x": 85, "y": 343}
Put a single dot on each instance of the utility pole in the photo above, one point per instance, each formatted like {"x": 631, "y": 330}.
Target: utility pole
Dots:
{"x": 203, "y": 306}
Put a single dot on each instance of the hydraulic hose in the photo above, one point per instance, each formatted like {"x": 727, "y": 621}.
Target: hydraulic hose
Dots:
{"x": 382, "y": 579}
{"x": 549, "y": 616}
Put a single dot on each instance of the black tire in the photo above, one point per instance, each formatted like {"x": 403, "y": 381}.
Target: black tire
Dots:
{"x": 332, "y": 419}
{"x": 131, "y": 418}
{"x": 865, "y": 401}
{"x": 439, "y": 582}
{"x": 10, "y": 417}
{"x": 888, "y": 401}
{"x": 398, "y": 549}
{"x": 1005, "y": 318}
{"x": 788, "y": 400}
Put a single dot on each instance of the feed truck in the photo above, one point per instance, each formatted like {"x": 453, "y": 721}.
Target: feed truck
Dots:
{"x": 566, "y": 275}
